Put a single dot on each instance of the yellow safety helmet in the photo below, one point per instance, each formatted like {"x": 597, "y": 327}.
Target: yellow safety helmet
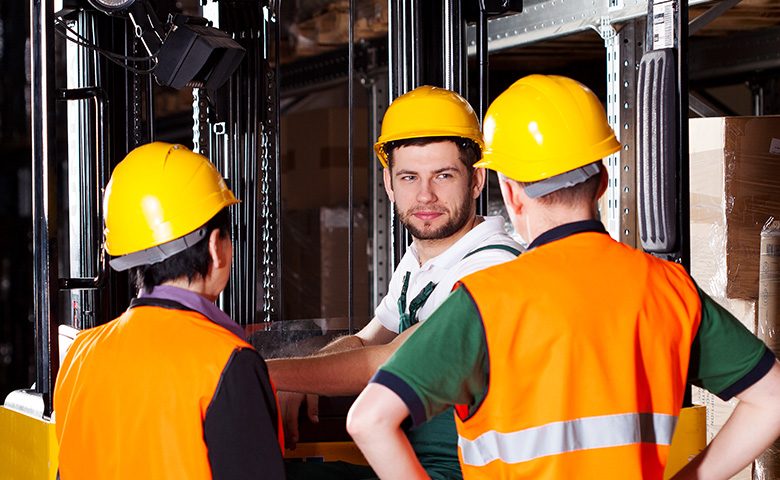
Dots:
{"x": 156, "y": 202}
{"x": 543, "y": 126}
{"x": 428, "y": 112}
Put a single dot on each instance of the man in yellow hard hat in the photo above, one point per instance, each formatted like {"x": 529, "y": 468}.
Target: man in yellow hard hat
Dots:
{"x": 170, "y": 389}
{"x": 429, "y": 143}
{"x": 570, "y": 361}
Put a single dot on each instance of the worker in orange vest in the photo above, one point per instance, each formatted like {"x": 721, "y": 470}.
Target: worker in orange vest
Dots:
{"x": 570, "y": 361}
{"x": 170, "y": 389}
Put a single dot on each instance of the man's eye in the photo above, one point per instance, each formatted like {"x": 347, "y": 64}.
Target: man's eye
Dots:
{"x": 407, "y": 178}
{"x": 445, "y": 175}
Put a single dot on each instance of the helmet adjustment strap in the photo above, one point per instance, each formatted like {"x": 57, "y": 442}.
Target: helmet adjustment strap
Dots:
{"x": 158, "y": 253}
{"x": 564, "y": 180}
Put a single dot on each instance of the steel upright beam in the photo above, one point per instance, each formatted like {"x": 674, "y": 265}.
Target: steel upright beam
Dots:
{"x": 403, "y": 46}
{"x": 404, "y": 56}
{"x": 454, "y": 59}
{"x": 244, "y": 145}
{"x": 44, "y": 174}
{"x": 381, "y": 214}
{"x": 624, "y": 48}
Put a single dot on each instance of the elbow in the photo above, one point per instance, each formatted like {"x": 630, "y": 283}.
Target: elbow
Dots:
{"x": 376, "y": 413}
{"x": 360, "y": 422}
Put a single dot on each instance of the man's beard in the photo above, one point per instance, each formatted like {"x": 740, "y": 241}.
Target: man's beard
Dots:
{"x": 460, "y": 216}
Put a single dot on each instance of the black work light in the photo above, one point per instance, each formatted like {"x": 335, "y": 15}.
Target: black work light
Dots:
{"x": 196, "y": 55}
{"x": 186, "y": 52}
{"x": 110, "y": 6}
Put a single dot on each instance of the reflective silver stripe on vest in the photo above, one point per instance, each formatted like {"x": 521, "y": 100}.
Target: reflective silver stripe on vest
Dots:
{"x": 562, "y": 437}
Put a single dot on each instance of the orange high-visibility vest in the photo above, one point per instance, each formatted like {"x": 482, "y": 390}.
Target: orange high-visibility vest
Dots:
{"x": 135, "y": 406}
{"x": 588, "y": 343}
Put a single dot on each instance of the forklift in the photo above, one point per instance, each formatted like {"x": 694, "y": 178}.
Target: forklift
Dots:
{"x": 100, "y": 70}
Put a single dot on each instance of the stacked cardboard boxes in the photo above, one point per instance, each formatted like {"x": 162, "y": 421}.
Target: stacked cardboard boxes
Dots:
{"x": 735, "y": 188}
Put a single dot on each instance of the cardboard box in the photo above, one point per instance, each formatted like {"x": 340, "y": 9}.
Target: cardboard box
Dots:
{"x": 735, "y": 188}
{"x": 314, "y": 158}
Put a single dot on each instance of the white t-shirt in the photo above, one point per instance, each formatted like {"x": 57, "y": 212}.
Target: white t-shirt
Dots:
{"x": 444, "y": 270}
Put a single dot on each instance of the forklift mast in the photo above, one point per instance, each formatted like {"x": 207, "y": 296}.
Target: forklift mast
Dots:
{"x": 96, "y": 71}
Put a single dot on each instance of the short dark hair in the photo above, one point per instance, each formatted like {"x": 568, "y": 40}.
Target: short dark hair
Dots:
{"x": 190, "y": 263}
{"x": 582, "y": 192}
{"x": 469, "y": 151}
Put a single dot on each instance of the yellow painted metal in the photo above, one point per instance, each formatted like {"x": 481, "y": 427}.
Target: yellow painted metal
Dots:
{"x": 28, "y": 447}
{"x": 690, "y": 438}
{"x": 328, "y": 452}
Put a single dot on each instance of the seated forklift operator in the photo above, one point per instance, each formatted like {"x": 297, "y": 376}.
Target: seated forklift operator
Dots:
{"x": 429, "y": 143}
{"x": 170, "y": 389}
{"x": 553, "y": 377}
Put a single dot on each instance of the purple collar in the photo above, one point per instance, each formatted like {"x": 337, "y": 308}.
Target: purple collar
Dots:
{"x": 195, "y": 302}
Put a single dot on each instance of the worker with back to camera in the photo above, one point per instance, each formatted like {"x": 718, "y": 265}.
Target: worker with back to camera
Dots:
{"x": 570, "y": 361}
{"x": 170, "y": 389}
{"x": 429, "y": 143}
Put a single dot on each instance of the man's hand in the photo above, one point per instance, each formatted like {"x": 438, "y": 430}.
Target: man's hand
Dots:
{"x": 752, "y": 427}
{"x": 290, "y": 405}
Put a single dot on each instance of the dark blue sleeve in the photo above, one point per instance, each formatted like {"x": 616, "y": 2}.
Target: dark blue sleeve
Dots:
{"x": 240, "y": 428}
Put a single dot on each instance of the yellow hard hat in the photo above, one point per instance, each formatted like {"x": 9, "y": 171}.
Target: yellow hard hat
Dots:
{"x": 160, "y": 193}
{"x": 543, "y": 126}
{"x": 428, "y": 112}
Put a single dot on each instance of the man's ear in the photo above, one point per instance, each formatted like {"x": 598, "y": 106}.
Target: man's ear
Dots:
{"x": 603, "y": 182}
{"x": 478, "y": 179}
{"x": 386, "y": 175}
{"x": 218, "y": 251}
{"x": 514, "y": 200}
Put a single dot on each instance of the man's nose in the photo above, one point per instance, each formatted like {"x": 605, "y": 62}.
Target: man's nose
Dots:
{"x": 426, "y": 193}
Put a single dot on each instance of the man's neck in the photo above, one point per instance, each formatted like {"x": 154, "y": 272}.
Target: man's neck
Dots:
{"x": 539, "y": 224}
{"x": 428, "y": 249}
{"x": 197, "y": 285}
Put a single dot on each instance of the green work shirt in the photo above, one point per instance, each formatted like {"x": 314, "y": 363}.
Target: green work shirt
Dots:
{"x": 430, "y": 375}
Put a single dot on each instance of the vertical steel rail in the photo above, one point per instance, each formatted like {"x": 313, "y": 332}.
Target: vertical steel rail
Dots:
{"x": 623, "y": 52}
{"x": 246, "y": 149}
{"x": 351, "y": 170}
{"x": 272, "y": 88}
{"x": 484, "y": 97}
{"x": 630, "y": 38}
{"x": 381, "y": 214}
{"x": 44, "y": 174}
{"x": 683, "y": 165}
{"x": 454, "y": 59}
{"x": 403, "y": 59}
{"x": 271, "y": 171}
{"x": 404, "y": 46}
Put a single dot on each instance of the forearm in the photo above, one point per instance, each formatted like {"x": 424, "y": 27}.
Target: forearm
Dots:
{"x": 342, "y": 344}
{"x": 390, "y": 454}
{"x": 742, "y": 438}
{"x": 340, "y": 373}
{"x": 753, "y": 426}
